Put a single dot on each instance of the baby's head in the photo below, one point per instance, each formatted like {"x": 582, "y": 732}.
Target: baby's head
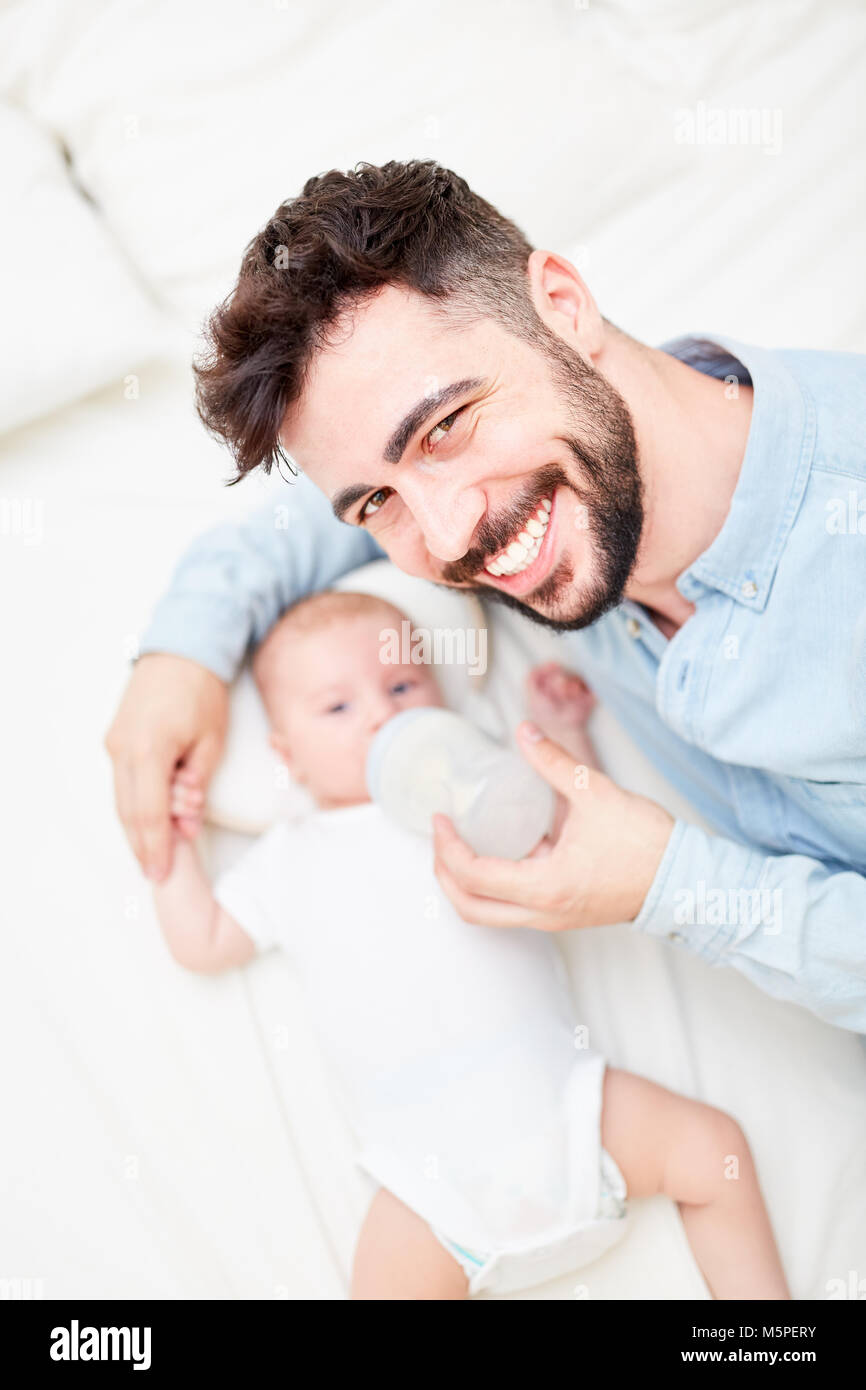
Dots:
{"x": 327, "y": 687}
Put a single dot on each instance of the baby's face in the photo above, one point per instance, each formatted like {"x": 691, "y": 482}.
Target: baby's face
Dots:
{"x": 331, "y": 693}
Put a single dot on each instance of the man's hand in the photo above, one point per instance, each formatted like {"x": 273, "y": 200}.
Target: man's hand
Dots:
{"x": 174, "y": 713}
{"x": 598, "y": 871}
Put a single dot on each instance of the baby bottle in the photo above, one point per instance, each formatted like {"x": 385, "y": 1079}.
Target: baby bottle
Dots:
{"x": 426, "y": 760}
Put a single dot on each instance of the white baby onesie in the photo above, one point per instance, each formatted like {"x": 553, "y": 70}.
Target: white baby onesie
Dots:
{"x": 455, "y": 1044}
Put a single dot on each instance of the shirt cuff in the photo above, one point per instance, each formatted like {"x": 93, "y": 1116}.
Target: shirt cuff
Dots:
{"x": 698, "y": 895}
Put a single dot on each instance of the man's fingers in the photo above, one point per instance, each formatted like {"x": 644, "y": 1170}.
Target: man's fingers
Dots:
{"x": 517, "y": 882}
{"x": 151, "y": 780}
{"x": 483, "y": 912}
{"x": 124, "y": 799}
{"x": 173, "y": 711}
{"x": 564, "y": 773}
{"x": 543, "y": 848}
{"x": 201, "y": 760}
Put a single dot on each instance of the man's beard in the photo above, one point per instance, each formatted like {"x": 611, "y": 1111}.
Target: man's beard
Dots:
{"x": 607, "y": 484}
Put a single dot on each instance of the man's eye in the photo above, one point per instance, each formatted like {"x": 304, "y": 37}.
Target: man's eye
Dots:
{"x": 376, "y": 500}
{"x": 443, "y": 425}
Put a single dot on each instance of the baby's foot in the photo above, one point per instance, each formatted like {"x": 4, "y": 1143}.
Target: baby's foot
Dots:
{"x": 560, "y": 703}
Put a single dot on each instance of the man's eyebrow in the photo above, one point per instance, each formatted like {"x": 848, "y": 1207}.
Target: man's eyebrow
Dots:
{"x": 412, "y": 421}
{"x": 348, "y": 497}
{"x": 421, "y": 411}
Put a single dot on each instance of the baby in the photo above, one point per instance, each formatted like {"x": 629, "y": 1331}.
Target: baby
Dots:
{"x": 503, "y": 1150}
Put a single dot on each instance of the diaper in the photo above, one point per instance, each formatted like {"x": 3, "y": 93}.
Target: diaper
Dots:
{"x": 521, "y": 1266}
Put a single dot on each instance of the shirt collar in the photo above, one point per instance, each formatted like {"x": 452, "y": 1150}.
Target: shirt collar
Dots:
{"x": 742, "y": 559}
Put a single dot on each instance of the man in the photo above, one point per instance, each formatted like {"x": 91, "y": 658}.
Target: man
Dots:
{"x": 445, "y": 387}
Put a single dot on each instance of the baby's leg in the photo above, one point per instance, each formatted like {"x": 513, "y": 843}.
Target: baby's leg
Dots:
{"x": 699, "y": 1157}
{"x": 398, "y": 1257}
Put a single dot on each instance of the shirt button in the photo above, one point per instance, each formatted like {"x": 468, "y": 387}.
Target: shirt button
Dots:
{"x": 749, "y": 589}
{"x": 632, "y": 627}
{"x": 675, "y": 936}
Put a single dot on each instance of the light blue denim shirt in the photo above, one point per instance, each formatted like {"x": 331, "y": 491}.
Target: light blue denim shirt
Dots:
{"x": 755, "y": 710}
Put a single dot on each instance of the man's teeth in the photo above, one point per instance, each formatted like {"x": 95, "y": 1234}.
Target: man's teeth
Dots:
{"x": 520, "y": 554}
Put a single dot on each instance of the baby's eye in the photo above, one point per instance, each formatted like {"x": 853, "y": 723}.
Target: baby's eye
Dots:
{"x": 402, "y": 687}
{"x": 338, "y": 708}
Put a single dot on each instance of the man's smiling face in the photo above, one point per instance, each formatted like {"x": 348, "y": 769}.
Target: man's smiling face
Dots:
{"x": 473, "y": 457}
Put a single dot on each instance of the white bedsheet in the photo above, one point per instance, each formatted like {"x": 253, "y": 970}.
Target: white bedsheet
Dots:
{"x": 172, "y": 1136}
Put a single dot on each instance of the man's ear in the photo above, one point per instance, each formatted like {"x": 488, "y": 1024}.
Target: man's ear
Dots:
{"x": 280, "y": 745}
{"x": 564, "y": 302}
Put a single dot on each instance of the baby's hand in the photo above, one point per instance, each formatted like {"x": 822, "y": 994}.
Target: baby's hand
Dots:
{"x": 187, "y": 803}
{"x": 560, "y": 703}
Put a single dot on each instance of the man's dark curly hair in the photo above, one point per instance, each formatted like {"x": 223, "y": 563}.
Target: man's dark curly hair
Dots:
{"x": 412, "y": 224}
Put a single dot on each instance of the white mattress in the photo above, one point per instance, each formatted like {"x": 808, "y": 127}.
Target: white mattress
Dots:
{"x": 176, "y": 1137}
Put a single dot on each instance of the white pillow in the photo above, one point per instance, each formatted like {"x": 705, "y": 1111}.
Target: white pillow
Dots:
{"x": 189, "y": 122}
{"x": 252, "y": 787}
{"x": 74, "y": 318}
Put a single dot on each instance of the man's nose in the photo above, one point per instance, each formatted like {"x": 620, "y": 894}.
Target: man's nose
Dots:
{"x": 445, "y": 515}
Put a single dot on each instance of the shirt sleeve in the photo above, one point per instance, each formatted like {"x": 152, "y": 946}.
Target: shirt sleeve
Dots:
{"x": 794, "y": 926}
{"x": 260, "y": 890}
{"x": 236, "y": 579}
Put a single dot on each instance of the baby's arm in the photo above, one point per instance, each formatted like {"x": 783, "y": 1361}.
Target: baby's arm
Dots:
{"x": 199, "y": 932}
{"x": 699, "y": 1157}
